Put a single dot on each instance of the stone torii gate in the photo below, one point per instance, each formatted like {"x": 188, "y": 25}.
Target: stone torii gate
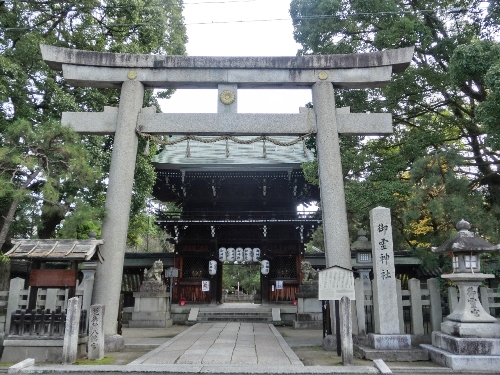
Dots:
{"x": 133, "y": 73}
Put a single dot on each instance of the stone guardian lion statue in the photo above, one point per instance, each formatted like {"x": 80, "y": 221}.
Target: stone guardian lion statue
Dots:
{"x": 309, "y": 274}
{"x": 154, "y": 273}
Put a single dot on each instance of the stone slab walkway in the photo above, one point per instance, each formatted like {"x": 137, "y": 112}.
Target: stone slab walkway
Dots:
{"x": 224, "y": 344}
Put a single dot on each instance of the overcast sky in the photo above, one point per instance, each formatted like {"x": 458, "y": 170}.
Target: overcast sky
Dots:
{"x": 239, "y": 28}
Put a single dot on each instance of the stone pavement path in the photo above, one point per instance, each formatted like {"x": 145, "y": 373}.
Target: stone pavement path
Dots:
{"x": 225, "y": 344}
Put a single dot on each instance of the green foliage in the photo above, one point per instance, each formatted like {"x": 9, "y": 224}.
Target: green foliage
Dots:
{"x": 440, "y": 164}
{"x": 104, "y": 361}
{"x": 248, "y": 275}
{"x": 317, "y": 241}
{"x": 47, "y": 173}
{"x": 44, "y": 163}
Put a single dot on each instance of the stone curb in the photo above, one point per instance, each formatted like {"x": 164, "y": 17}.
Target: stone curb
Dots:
{"x": 18, "y": 367}
{"x": 284, "y": 346}
{"x": 200, "y": 369}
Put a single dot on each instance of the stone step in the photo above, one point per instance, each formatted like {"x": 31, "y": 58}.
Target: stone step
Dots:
{"x": 234, "y": 315}
{"x": 394, "y": 355}
{"x": 420, "y": 370}
{"x": 202, "y": 313}
{"x": 240, "y": 311}
{"x": 242, "y": 320}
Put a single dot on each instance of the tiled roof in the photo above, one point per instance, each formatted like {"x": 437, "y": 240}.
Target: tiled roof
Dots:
{"x": 55, "y": 249}
{"x": 215, "y": 153}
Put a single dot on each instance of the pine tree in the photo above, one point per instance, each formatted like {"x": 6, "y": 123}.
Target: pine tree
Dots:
{"x": 47, "y": 173}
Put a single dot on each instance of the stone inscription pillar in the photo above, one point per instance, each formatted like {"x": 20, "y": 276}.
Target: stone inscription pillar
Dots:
{"x": 70, "y": 342}
{"x": 114, "y": 230}
{"x": 384, "y": 277}
{"x": 331, "y": 181}
{"x": 385, "y": 297}
{"x": 96, "y": 337}
{"x": 346, "y": 331}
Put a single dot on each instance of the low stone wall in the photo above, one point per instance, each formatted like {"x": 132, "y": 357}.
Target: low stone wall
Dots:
{"x": 127, "y": 315}
{"x": 179, "y": 314}
{"x": 17, "y": 349}
{"x": 288, "y": 314}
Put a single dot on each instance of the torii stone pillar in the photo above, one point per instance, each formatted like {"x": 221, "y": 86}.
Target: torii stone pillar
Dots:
{"x": 118, "y": 200}
{"x": 131, "y": 73}
{"x": 331, "y": 181}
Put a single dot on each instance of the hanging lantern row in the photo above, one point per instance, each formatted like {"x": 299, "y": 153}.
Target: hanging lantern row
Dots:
{"x": 239, "y": 254}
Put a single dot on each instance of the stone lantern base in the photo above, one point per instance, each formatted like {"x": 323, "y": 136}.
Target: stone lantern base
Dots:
{"x": 470, "y": 337}
{"x": 471, "y": 330}
{"x": 452, "y": 352}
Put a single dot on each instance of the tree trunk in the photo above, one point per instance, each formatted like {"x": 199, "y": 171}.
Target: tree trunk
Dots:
{"x": 9, "y": 218}
{"x": 50, "y": 221}
{"x": 4, "y": 274}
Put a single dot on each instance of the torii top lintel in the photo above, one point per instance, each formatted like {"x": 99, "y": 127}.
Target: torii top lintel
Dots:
{"x": 103, "y": 69}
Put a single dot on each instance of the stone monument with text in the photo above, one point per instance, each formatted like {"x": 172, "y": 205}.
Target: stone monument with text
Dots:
{"x": 385, "y": 304}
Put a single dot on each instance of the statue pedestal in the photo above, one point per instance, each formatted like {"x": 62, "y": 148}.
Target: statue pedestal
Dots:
{"x": 309, "y": 312}
{"x": 151, "y": 306}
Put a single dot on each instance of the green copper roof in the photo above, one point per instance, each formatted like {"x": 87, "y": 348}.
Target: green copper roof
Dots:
{"x": 215, "y": 153}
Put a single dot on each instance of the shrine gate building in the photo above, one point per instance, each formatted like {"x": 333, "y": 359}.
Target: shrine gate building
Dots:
{"x": 233, "y": 196}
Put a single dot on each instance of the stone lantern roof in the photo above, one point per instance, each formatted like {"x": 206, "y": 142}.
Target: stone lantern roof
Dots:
{"x": 465, "y": 241}
{"x": 362, "y": 243}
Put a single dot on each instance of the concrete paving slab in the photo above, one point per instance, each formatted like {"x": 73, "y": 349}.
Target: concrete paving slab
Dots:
{"x": 217, "y": 343}
{"x": 216, "y": 359}
{"x": 245, "y": 343}
{"x": 200, "y": 352}
{"x": 189, "y": 359}
{"x": 219, "y": 352}
{"x": 225, "y": 341}
{"x": 315, "y": 360}
{"x": 245, "y": 361}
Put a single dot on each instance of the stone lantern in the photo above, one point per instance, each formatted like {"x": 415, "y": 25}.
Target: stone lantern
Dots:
{"x": 362, "y": 248}
{"x": 465, "y": 249}
{"x": 470, "y": 337}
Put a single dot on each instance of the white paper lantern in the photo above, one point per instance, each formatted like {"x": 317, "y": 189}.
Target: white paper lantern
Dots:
{"x": 230, "y": 254}
{"x": 264, "y": 267}
{"x": 248, "y": 254}
{"x": 239, "y": 254}
{"x": 222, "y": 254}
{"x": 256, "y": 254}
{"x": 212, "y": 267}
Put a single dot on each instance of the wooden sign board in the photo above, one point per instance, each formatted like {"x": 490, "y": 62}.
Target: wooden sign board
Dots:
{"x": 53, "y": 278}
{"x": 334, "y": 283}
{"x": 172, "y": 272}
{"x": 205, "y": 286}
